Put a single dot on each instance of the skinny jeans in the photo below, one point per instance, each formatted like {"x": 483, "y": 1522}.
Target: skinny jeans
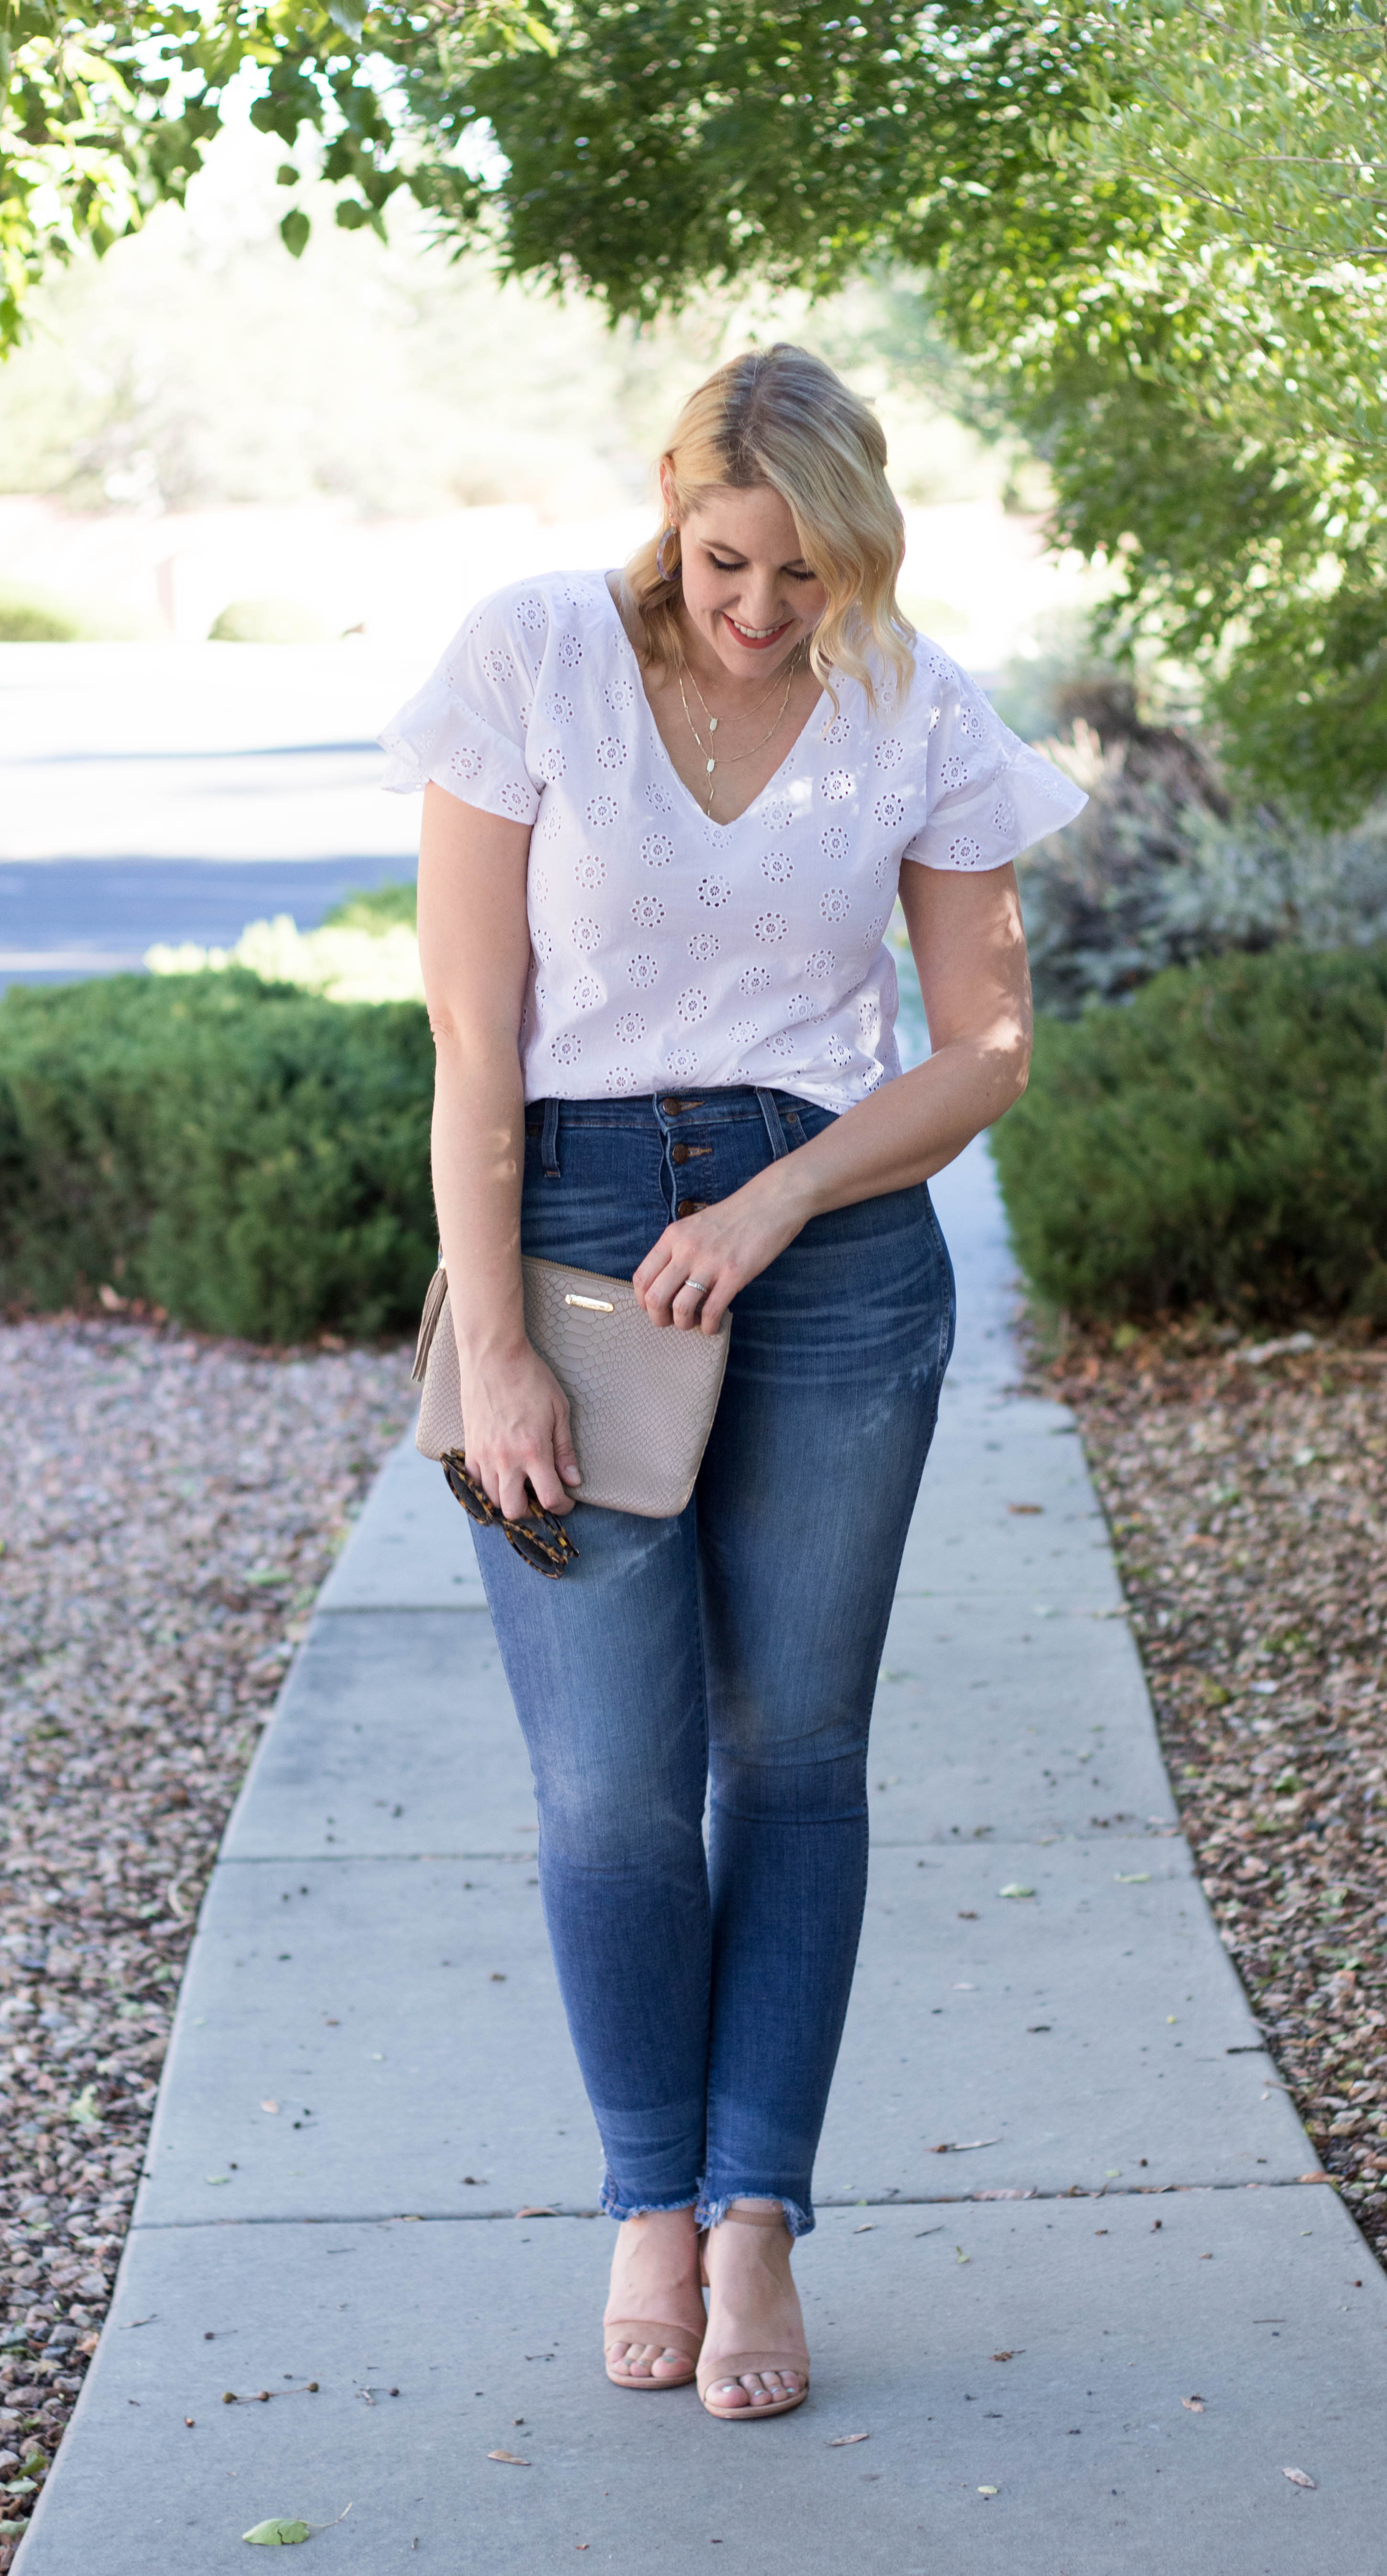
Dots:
{"x": 724, "y": 1657}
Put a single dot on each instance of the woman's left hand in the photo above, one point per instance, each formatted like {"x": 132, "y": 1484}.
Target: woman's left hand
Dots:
{"x": 720, "y": 1249}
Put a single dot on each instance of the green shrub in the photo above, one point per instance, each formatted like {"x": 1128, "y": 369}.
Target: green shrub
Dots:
{"x": 32, "y": 617}
{"x": 267, "y": 621}
{"x": 248, "y": 1155}
{"x": 376, "y": 908}
{"x": 1221, "y": 1140}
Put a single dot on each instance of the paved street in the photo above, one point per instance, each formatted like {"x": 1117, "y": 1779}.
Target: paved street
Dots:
{"x": 151, "y": 793}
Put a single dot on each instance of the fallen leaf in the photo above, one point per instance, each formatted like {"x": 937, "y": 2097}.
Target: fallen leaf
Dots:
{"x": 512, "y": 2459}
{"x": 844, "y": 2441}
{"x": 1027, "y": 1508}
{"x": 1009, "y": 2356}
{"x": 866, "y": 2227}
{"x": 1195, "y": 2404}
{"x": 1297, "y": 2477}
{"x": 1016, "y": 1889}
{"x": 961, "y": 2256}
{"x": 987, "y": 2490}
{"x": 279, "y": 2534}
{"x": 217, "y": 2177}
{"x": 269, "y": 2106}
{"x": 1132, "y": 1877}
{"x": 528, "y": 2212}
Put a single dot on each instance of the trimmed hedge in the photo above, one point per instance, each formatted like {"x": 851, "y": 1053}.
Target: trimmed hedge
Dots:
{"x": 256, "y": 1159}
{"x": 1219, "y": 1141}
{"x": 247, "y": 1155}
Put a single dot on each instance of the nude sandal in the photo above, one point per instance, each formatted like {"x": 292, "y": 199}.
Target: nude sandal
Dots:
{"x": 650, "y": 2330}
{"x": 734, "y": 2365}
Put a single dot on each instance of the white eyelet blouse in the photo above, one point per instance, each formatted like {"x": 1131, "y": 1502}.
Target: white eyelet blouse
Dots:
{"x": 670, "y": 949}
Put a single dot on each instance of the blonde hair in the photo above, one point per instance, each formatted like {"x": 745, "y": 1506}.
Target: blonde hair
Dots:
{"x": 781, "y": 417}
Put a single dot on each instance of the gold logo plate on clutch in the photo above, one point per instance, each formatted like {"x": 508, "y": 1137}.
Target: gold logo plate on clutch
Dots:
{"x": 592, "y": 1305}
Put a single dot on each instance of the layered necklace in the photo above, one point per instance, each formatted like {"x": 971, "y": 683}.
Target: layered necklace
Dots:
{"x": 729, "y": 759}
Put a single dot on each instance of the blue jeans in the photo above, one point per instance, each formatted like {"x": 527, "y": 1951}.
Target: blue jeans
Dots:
{"x": 730, "y": 1653}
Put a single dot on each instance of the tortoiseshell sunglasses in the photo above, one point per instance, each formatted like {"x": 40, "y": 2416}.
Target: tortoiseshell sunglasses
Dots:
{"x": 547, "y": 1546}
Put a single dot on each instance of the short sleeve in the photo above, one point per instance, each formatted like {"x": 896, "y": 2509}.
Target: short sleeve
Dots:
{"x": 988, "y": 795}
{"x": 467, "y": 727}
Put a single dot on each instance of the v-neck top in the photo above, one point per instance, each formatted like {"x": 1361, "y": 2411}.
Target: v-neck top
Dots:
{"x": 669, "y": 949}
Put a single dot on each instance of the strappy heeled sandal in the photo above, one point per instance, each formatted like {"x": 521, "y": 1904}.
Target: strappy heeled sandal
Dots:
{"x": 734, "y": 2365}
{"x": 648, "y": 2330}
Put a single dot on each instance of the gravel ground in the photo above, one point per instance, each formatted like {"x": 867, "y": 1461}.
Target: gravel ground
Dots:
{"x": 1247, "y": 1494}
{"x": 169, "y": 1507}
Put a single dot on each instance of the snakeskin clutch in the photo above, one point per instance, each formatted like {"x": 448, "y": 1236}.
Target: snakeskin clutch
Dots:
{"x": 643, "y": 1395}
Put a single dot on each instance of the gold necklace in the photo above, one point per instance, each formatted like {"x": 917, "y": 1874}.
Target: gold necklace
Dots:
{"x": 753, "y": 710}
{"x": 731, "y": 758}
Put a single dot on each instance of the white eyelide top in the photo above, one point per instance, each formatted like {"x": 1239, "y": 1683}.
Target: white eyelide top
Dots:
{"x": 670, "y": 949}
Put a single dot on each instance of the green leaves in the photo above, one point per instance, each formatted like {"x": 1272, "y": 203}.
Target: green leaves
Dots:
{"x": 102, "y": 116}
{"x": 1160, "y": 260}
{"x": 259, "y": 1153}
{"x": 1163, "y": 260}
{"x": 1220, "y": 1142}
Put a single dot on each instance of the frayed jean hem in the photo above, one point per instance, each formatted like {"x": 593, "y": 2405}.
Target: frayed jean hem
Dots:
{"x": 614, "y": 2205}
{"x": 711, "y": 2213}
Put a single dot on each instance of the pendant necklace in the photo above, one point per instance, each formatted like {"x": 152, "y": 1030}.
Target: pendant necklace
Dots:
{"x": 731, "y": 758}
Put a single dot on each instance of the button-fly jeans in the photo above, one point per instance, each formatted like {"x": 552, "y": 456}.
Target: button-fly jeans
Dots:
{"x": 728, "y": 1655}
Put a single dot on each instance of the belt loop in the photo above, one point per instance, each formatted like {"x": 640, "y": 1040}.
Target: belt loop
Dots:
{"x": 774, "y": 1129}
{"x": 549, "y": 1141}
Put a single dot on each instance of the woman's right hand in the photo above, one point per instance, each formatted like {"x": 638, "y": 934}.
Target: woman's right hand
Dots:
{"x": 518, "y": 1431}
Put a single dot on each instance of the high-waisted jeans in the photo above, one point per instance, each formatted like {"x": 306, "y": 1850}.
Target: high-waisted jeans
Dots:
{"x": 729, "y": 1654}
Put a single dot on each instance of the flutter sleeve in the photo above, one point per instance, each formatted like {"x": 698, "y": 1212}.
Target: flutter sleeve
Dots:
{"x": 467, "y": 728}
{"x": 988, "y": 796}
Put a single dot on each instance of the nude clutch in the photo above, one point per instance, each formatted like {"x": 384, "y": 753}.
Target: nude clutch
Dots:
{"x": 643, "y": 1396}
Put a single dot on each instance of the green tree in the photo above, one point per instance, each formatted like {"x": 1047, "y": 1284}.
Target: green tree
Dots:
{"x": 107, "y": 108}
{"x": 1158, "y": 233}
{"x": 1155, "y": 229}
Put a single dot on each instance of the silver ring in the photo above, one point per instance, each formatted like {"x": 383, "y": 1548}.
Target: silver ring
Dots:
{"x": 698, "y": 1284}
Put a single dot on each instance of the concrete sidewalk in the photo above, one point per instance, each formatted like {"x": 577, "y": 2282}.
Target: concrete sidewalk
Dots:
{"x": 371, "y": 2108}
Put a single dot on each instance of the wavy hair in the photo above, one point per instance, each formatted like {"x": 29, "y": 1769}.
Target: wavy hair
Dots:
{"x": 781, "y": 417}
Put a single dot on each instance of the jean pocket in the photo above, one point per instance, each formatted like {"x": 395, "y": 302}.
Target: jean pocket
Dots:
{"x": 803, "y": 1124}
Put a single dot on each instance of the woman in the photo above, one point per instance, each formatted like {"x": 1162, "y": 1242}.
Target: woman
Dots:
{"x": 666, "y": 819}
